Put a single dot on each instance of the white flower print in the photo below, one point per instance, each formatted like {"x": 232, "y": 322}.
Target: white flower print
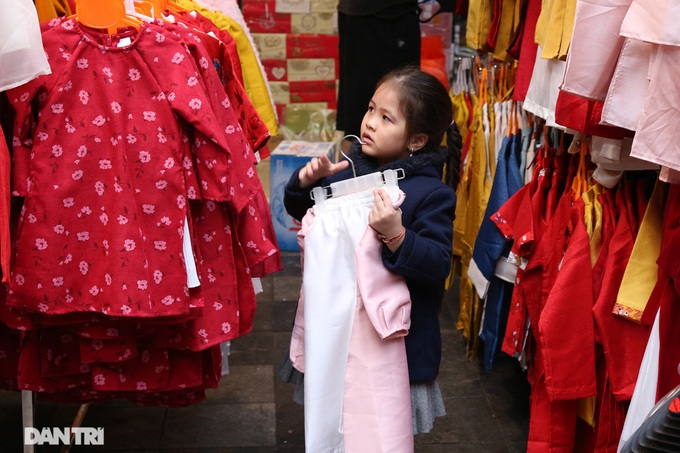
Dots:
{"x": 86, "y": 210}
{"x": 99, "y": 379}
{"x": 20, "y": 279}
{"x": 205, "y": 64}
{"x": 161, "y": 184}
{"x": 115, "y": 107}
{"x": 169, "y": 163}
{"x": 68, "y": 298}
{"x": 186, "y": 162}
{"x": 104, "y": 218}
{"x": 99, "y": 120}
{"x": 131, "y": 138}
{"x": 122, "y": 220}
{"x": 149, "y": 116}
{"x": 171, "y": 96}
{"x": 144, "y": 157}
{"x": 68, "y": 85}
{"x": 160, "y": 37}
{"x": 82, "y": 151}
{"x": 141, "y": 385}
{"x": 157, "y": 276}
{"x": 59, "y": 229}
{"x": 230, "y": 129}
{"x": 77, "y": 175}
{"x": 68, "y": 202}
{"x": 203, "y": 333}
{"x": 129, "y": 245}
{"x": 134, "y": 74}
{"x": 168, "y": 300}
{"x": 142, "y": 285}
{"x": 94, "y": 290}
{"x": 105, "y": 164}
{"x": 161, "y": 138}
{"x": 192, "y": 81}
{"x": 195, "y": 103}
{"x": 160, "y": 245}
{"x": 148, "y": 208}
{"x": 32, "y": 218}
{"x": 165, "y": 220}
{"x": 42, "y": 136}
{"x": 111, "y": 332}
{"x": 67, "y": 259}
{"x": 82, "y": 63}
{"x": 125, "y": 309}
{"x": 43, "y": 308}
{"x": 211, "y": 205}
{"x": 57, "y": 108}
{"x": 226, "y": 327}
{"x": 177, "y": 58}
{"x": 108, "y": 279}
{"x": 217, "y": 306}
{"x": 226, "y": 103}
{"x": 58, "y": 281}
{"x": 84, "y": 267}
{"x": 122, "y": 378}
{"x": 99, "y": 188}
{"x": 40, "y": 243}
{"x": 191, "y": 192}
{"x": 207, "y": 237}
{"x": 70, "y": 128}
{"x": 84, "y": 96}
{"x": 107, "y": 72}
{"x": 181, "y": 201}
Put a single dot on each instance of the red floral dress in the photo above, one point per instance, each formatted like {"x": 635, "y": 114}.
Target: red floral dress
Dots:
{"x": 131, "y": 136}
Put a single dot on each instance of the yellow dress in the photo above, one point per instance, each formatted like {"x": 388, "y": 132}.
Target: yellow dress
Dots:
{"x": 51, "y": 9}
{"x": 254, "y": 80}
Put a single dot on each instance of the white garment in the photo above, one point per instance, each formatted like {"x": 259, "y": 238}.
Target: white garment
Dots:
{"x": 22, "y": 57}
{"x": 330, "y": 294}
{"x": 544, "y": 87}
{"x": 644, "y": 395}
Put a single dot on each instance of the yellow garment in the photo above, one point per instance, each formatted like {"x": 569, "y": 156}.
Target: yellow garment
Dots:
{"x": 593, "y": 218}
{"x": 641, "y": 271}
{"x": 477, "y": 186}
{"x": 51, "y": 9}
{"x": 506, "y": 29}
{"x": 461, "y": 112}
{"x": 554, "y": 27}
{"x": 480, "y": 15}
{"x": 254, "y": 80}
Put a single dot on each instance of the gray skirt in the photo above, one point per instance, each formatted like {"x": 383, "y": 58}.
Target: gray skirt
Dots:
{"x": 426, "y": 397}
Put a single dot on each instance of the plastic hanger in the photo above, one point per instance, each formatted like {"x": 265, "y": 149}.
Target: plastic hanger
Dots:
{"x": 105, "y": 14}
{"x": 357, "y": 183}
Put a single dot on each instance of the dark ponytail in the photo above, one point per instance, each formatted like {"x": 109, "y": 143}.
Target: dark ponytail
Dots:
{"x": 454, "y": 145}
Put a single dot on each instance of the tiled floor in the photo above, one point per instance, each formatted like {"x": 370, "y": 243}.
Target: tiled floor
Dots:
{"x": 252, "y": 410}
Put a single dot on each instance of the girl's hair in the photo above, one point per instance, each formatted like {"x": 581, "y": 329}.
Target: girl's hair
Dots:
{"x": 427, "y": 107}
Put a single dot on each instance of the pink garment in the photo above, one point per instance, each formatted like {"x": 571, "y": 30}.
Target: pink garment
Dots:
{"x": 628, "y": 88}
{"x": 375, "y": 392}
{"x": 654, "y": 21}
{"x": 590, "y": 67}
{"x": 658, "y": 137}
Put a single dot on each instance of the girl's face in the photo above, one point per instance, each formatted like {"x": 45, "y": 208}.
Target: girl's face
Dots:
{"x": 383, "y": 128}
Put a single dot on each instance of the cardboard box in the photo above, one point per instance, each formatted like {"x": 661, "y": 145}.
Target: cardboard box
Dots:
{"x": 287, "y": 157}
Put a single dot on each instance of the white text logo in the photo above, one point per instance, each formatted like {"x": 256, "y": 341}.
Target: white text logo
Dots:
{"x": 56, "y": 436}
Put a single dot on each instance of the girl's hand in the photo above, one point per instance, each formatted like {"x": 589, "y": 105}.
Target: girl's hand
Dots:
{"x": 317, "y": 168}
{"x": 385, "y": 218}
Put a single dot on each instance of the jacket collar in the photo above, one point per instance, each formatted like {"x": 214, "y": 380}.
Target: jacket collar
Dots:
{"x": 415, "y": 164}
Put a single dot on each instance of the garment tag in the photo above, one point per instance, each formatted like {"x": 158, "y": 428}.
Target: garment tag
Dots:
{"x": 124, "y": 41}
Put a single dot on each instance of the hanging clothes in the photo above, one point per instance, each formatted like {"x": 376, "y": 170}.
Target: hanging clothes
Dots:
{"x": 349, "y": 332}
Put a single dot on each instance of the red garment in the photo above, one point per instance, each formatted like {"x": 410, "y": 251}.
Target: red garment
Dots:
{"x": 527, "y": 55}
{"x": 5, "y": 204}
{"x": 584, "y": 115}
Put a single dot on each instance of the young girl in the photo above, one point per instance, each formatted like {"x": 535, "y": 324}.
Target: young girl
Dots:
{"x": 403, "y": 128}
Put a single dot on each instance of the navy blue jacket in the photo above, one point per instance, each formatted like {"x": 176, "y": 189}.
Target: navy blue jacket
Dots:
{"x": 424, "y": 258}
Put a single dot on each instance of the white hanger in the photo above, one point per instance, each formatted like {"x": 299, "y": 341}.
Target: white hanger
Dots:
{"x": 357, "y": 183}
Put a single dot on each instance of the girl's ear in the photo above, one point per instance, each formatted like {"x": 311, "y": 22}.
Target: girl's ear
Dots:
{"x": 417, "y": 142}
